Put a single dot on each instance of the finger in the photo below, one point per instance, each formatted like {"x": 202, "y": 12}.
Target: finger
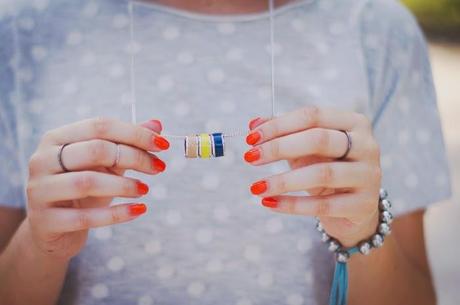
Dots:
{"x": 61, "y": 220}
{"x": 321, "y": 142}
{"x": 256, "y": 122}
{"x": 100, "y": 153}
{"x": 305, "y": 118}
{"x": 326, "y": 175}
{"x": 110, "y": 130}
{"x": 78, "y": 185}
{"x": 337, "y": 205}
{"x": 153, "y": 125}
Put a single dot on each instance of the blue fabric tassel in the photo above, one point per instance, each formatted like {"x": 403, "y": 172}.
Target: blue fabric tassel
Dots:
{"x": 339, "y": 288}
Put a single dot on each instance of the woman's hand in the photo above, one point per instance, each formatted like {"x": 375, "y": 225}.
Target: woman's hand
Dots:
{"x": 62, "y": 206}
{"x": 343, "y": 193}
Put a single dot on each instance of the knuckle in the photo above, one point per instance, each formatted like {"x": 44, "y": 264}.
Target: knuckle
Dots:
{"x": 47, "y": 137}
{"x": 281, "y": 185}
{"x": 101, "y": 126}
{"x": 275, "y": 148}
{"x": 325, "y": 175}
{"x": 115, "y": 215}
{"x": 83, "y": 220}
{"x": 139, "y": 160}
{"x": 99, "y": 151}
{"x": 321, "y": 140}
{"x": 363, "y": 121}
{"x": 323, "y": 207}
{"x": 140, "y": 136}
{"x": 34, "y": 163}
{"x": 84, "y": 183}
{"x": 128, "y": 187}
{"x": 311, "y": 115}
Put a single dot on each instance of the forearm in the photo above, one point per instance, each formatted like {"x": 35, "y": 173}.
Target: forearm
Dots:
{"x": 29, "y": 276}
{"x": 388, "y": 276}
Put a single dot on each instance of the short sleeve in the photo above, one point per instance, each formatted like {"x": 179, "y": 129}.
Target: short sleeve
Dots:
{"x": 405, "y": 115}
{"x": 11, "y": 180}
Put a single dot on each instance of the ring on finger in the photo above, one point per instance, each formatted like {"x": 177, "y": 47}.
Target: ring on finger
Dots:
{"x": 349, "y": 144}
{"x": 60, "y": 159}
{"x": 117, "y": 157}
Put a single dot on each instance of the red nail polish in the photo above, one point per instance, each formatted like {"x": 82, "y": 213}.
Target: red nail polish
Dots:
{"x": 259, "y": 187}
{"x": 253, "y": 123}
{"x": 161, "y": 142}
{"x": 252, "y": 155}
{"x": 142, "y": 188}
{"x": 137, "y": 209}
{"x": 270, "y": 202}
{"x": 253, "y": 138}
{"x": 158, "y": 165}
{"x": 157, "y": 123}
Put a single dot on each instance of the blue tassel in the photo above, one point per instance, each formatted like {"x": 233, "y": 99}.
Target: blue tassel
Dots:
{"x": 339, "y": 288}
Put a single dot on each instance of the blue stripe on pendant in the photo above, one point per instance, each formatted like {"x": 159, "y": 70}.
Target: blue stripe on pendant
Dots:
{"x": 218, "y": 144}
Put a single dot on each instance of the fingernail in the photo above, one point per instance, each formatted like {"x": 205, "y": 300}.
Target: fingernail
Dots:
{"x": 142, "y": 188}
{"x": 253, "y": 123}
{"x": 157, "y": 123}
{"x": 161, "y": 142}
{"x": 259, "y": 187}
{"x": 137, "y": 209}
{"x": 158, "y": 165}
{"x": 252, "y": 155}
{"x": 270, "y": 202}
{"x": 253, "y": 138}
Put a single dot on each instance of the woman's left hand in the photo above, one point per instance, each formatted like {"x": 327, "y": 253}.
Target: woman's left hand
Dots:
{"x": 343, "y": 193}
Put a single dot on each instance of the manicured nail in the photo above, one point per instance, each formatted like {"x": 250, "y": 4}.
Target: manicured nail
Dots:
{"x": 252, "y": 155}
{"x": 161, "y": 142}
{"x": 157, "y": 123}
{"x": 253, "y": 123}
{"x": 270, "y": 202}
{"x": 253, "y": 138}
{"x": 142, "y": 188}
{"x": 137, "y": 209}
{"x": 259, "y": 187}
{"x": 158, "y": 165}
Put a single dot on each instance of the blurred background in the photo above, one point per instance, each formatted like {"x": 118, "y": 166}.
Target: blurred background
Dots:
{"x": 440, "y": 20}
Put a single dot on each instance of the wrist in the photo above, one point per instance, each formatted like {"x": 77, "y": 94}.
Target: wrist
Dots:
{"x": 366, "y": 231}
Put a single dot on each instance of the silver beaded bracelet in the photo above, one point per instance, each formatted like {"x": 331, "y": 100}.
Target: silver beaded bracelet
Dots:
{"x": 364, "y": 247}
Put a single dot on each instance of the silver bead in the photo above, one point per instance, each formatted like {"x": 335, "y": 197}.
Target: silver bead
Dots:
{"x": 333, "y": 245}
{"x": 364, "y": 248}
{"x": 383, "y": 194}
{"x": 387, "y": 217}
{"x": 319, "y": 227}
{"x": 384, "y": 229}
{"x": 325, "y": 237}
{"x": 385, "y": 204}
{"x": 342, "y": 256}
{"x": 377, "y": 240}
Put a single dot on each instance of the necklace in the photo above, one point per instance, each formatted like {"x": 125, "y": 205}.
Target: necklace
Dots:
{"x": 202, "y": 145}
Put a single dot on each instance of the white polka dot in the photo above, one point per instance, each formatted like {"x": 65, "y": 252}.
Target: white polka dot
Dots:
{"x": 145, "y": 300}
{"x": 204, "y": 236}
{"x": 196, "y": 289}
{"x": 234, "y": 54}
{"x": 411, "y": 181}
{"x": 210, "y": 181}
{"x": 26, "y": 23}
{"x": 181, "y": 109}
{"x": 171, "y": 33}
{"x": 221, "y": 214}
{"x": 69, "y": 87}
{"x": 274, "y": 225}
{"x": 116, "y": 71}
{"x": 133, "y": 47}
{"x": 294, "y": 299}
{"x": 265, "y": 279}
{"x": 25, "y": 74}
{"x": 213, "y": 125}
{"x": 120, "y": 21}
{"x": 243, "y": 302}
{"x": 403, "y": 136}
{"x": 226, "y": 28}
{"x": 115, "y": 263}
{"x": 277, "y": 49}
{"x": 161, "y": 192}
{"x": 185, "y": 58}
{"x": 423, "y": 136}
{"x": 215, "y": 76}
{"x": 100, "y": 291}
{"x": 314, "y": 90}
{"x": 322, "y": 48}
{"x": 126, "y": 99}
{"x": 227, "y": 107}
{"x": 165, "y": 272}
{"x": 90, "y": 9}
{"x": 336, "y": 28}
{"x": 88, "y": 59}
{"x": 165, "y": 83}
{"x": 153, "y": 247}
{"x": 304, "y": 245}
{"x": 103, "y": 233}
{"x": 173, "y": 217}
{"x": 330, "y": 74}
{"x": 74, "y": 38}
{"x": 214, "y": 265}
{"x": 177, "y": 164}
{"x": 298, "y": 24}
{"x": 229, "y": 157}
{"x": 252, "y": 253}
{"x": 39, "y": 53}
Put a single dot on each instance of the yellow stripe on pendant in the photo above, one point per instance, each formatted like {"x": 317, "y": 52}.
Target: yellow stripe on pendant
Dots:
{"x": 205, "y": 146}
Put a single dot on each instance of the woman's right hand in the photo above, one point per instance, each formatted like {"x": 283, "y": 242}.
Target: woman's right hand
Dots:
{"x": 63, "y": 206}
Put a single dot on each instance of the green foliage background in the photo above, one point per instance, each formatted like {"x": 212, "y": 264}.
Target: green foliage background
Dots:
{"x": 437, "y": 17}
